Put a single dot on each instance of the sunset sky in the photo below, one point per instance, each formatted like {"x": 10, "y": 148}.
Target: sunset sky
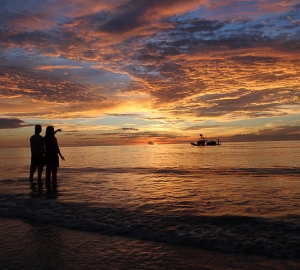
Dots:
{"x": 133, "y": 71}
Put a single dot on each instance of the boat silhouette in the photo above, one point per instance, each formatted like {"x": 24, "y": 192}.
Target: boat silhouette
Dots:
{"x": 204, "y": 142}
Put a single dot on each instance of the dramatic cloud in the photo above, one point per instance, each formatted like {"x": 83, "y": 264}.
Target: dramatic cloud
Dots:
{"x": 163, "y": 66}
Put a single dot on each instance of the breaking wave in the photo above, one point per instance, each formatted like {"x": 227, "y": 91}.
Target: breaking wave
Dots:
{"x": 233, "y": 234}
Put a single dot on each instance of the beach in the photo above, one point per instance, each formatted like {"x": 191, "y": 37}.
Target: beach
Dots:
{"x": 154, "y": 207}
{"x": 41, "y": 246}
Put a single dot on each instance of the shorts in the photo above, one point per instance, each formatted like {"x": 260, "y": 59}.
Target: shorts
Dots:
{"x": 37, "y": 160}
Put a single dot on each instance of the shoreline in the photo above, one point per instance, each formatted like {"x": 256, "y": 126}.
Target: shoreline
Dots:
{"x": 43, "y": 246}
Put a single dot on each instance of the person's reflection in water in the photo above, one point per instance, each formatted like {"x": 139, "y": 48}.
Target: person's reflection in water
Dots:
{"x": 51, "y": 189}
{"x": 43, "y": 191}
{"x": 46, "y": 246}
{"x": 36, "y": 189}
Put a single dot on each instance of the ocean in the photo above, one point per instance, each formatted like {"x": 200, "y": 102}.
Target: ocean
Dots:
{"x": 154, "y": 207}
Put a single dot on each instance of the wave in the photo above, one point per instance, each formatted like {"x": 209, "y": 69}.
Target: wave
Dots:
{"x": 235, "y": 234}
{"x": 173, "y": 171}
{"x": 290, "y": 171}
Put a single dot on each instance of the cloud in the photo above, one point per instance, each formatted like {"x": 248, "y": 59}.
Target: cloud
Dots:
{"x": 193, "y": 61}
{"x": 280, "y": 133}
{"x": 135, "y": 14}
{"x": 202, "y": 127}
{"x": 51, "y": 68}
{"x": 17, "y": 82}
{"x": 124, "y": 114}
{"x": 9, "y": 123}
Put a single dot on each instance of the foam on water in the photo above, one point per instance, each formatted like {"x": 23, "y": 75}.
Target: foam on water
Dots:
{"x": 271, "y": 237}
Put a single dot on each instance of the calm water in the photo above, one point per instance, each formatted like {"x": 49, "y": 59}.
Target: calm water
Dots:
{"x": 234, "y": 198}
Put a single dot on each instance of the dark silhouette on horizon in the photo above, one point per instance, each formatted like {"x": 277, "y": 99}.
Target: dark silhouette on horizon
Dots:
{"x": 203, "y": 142}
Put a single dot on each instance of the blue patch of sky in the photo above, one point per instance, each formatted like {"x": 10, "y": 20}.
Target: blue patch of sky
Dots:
{"x": 199, "y": 13}
{"x": 280, "y": 26}
{"x": 268, "y": 25}
{"x": 84, "y": 71}
{"x": 16, "y": 5}
{"x": 93, "y": 76}
{"x": 18, "y": 57}
{"x": 13, "y": 52}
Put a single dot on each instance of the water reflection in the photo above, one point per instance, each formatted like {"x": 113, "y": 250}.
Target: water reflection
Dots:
{"x": 43, "y": 189}
{"x": 46, "y": 244}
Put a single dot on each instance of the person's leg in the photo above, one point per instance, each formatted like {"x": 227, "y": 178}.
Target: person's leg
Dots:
{"x": 32, "y": 171}
{"x": 41, "y": 166}
{"x": 54, "y": 178}
{"x": 48, "y": 171}
{"x": 54, "y": 174}
{"x": 32, "y": 168}
{"x": 40, "y": 171}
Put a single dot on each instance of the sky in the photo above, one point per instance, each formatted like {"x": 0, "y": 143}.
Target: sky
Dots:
{"x": 111, "y": 72}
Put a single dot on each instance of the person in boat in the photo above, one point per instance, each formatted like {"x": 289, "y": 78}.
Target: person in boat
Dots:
{"x": 201, "y": 141}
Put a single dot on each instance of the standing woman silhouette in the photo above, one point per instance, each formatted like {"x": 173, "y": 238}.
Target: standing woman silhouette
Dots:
{"x": 51, "y": 155}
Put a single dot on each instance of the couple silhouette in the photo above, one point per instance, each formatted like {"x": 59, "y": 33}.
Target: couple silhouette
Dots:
{"x": 45, "y": 152}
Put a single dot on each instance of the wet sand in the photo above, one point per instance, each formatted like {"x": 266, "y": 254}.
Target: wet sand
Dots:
{"x": 42, "y": 246}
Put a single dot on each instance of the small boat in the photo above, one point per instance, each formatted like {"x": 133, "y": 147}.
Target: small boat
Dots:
{"x": 213, "y": 142}
{"x": 204, "y": 142}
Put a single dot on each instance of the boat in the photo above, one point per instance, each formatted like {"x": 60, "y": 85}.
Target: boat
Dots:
{"x": 204, "y": 142}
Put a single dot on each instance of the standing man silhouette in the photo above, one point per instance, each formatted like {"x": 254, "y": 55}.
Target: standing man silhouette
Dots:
{"x": 37, "y": 153}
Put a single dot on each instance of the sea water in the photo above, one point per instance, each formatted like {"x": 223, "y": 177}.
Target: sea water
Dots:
{"x": 234, "y": 198}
